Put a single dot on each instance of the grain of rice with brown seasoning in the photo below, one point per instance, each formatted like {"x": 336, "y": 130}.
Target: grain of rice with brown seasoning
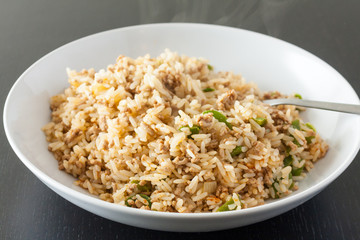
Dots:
{"x": 171, "y": 134}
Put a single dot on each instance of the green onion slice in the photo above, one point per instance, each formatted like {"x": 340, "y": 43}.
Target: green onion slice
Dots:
{"x": 287, "y": 149}
{"x": 261, "y": 121}
{"x": 293, "y": 183}
{"x": 296, "y": 124}
{"x": 210, "y": 67}
{"x": 220, "y": 117}
{"x": 129, "y": 198}
{"x": 147, "y": 198}
{"x": 143, "y": 188}
{"x": 309, "y": 139}
{"x": 208, "y": 89}
{"x": 298, "y": 96}
{"x": 195, "y": 129}
{"x": 275, "y": 191}
{"x": 297, "y": 171}
{"x": 309, "y": 125}
{"x": 225, "y": 206}
{"x": 236, "y": 151}
{"x": 295, "y": 141}
{"x": 288, "y": 161}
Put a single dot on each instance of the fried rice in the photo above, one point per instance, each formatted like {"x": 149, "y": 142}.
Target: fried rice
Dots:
{"x": 171, "y": 134}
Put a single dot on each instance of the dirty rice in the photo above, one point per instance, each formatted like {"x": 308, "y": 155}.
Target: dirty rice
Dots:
{"x": 138, "y": 134}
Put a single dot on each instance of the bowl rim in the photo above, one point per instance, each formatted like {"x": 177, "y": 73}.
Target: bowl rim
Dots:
{"x": 93, "y": 200}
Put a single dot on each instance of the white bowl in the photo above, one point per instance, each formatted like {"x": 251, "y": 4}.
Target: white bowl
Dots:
{"x": 271, "y": 63}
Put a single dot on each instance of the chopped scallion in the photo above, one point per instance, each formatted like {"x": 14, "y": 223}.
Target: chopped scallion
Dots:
{"x": 133, "y": 198}
{"x": 309, "y": 139}
{"x": 195, "y": 129}
{"x": 147, "y": 198}
{"x": 210, "y": 67}
{"x": 236, "y": 151}
{"x": 309, "y": 125}
{"x": 208, "y": 89}
{"x": 143, "y": 188}
{"x": 288, "y": 161}
{"x": 298, "y": 96}
{"x": 296, "y": 124}
{"x": 275, "y": 191}
{"x": 225, "y": 206}
{"x": 261, "y": 121}
{"x": 220, "y": 117}
{"x": 296, "y": 141}
{"x": 127, "y": 201}
{"x": 297, "y": 171}
{"x": 287, "y": 149}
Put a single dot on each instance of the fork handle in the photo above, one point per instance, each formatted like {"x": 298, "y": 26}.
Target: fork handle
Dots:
{"x": 339, "y": 107}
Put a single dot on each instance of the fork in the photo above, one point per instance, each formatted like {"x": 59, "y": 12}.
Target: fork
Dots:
{"x": 339, "y": 107}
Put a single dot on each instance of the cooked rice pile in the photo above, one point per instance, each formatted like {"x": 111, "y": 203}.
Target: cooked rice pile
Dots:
{"x": 136, "y": 134}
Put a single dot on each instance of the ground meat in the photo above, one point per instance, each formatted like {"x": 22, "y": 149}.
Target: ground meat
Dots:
{"x": 272, "y": 95}
{"x": 221, "y": 190}
{"x": 66, "y": 157}
{"x": 205, "y": 120}
{"x": 61, "y": 165}
{"x": 72, "y": 135}
{"x": 56, "y": 101}
{"x": 191, "y": 148}
{"x": 162, "y": 147}
{"x": 267, "y": 176}
{"x": 102, "y": 123}
{"x": 280, "y": 121}
{"x": 131, "y": 188}
{"x": 87, "y": 72}
{"x": 105, "y": 145}
{"x": 180, "y": 161}
{"x": 111, "y": 68}
{"x": 213, "y": 143}
{"x": 179, "y": 189}
{"x": 92, "y": 133}
{"x": 256, "y": 150}
{"x": 226, "y": 100}
{"x": 171, "y": 82}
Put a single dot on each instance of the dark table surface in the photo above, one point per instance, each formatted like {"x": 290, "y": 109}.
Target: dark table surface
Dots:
{"x": 30, "y": 29}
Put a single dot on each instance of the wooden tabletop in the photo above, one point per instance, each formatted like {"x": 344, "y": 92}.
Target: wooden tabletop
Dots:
{"x": 30, "y": 29}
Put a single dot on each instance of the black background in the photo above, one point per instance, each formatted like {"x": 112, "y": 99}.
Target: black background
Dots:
{"x": 30, "y": 29}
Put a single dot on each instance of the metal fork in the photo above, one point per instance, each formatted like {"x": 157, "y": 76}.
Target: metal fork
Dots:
{"x": 339, "y": 107}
